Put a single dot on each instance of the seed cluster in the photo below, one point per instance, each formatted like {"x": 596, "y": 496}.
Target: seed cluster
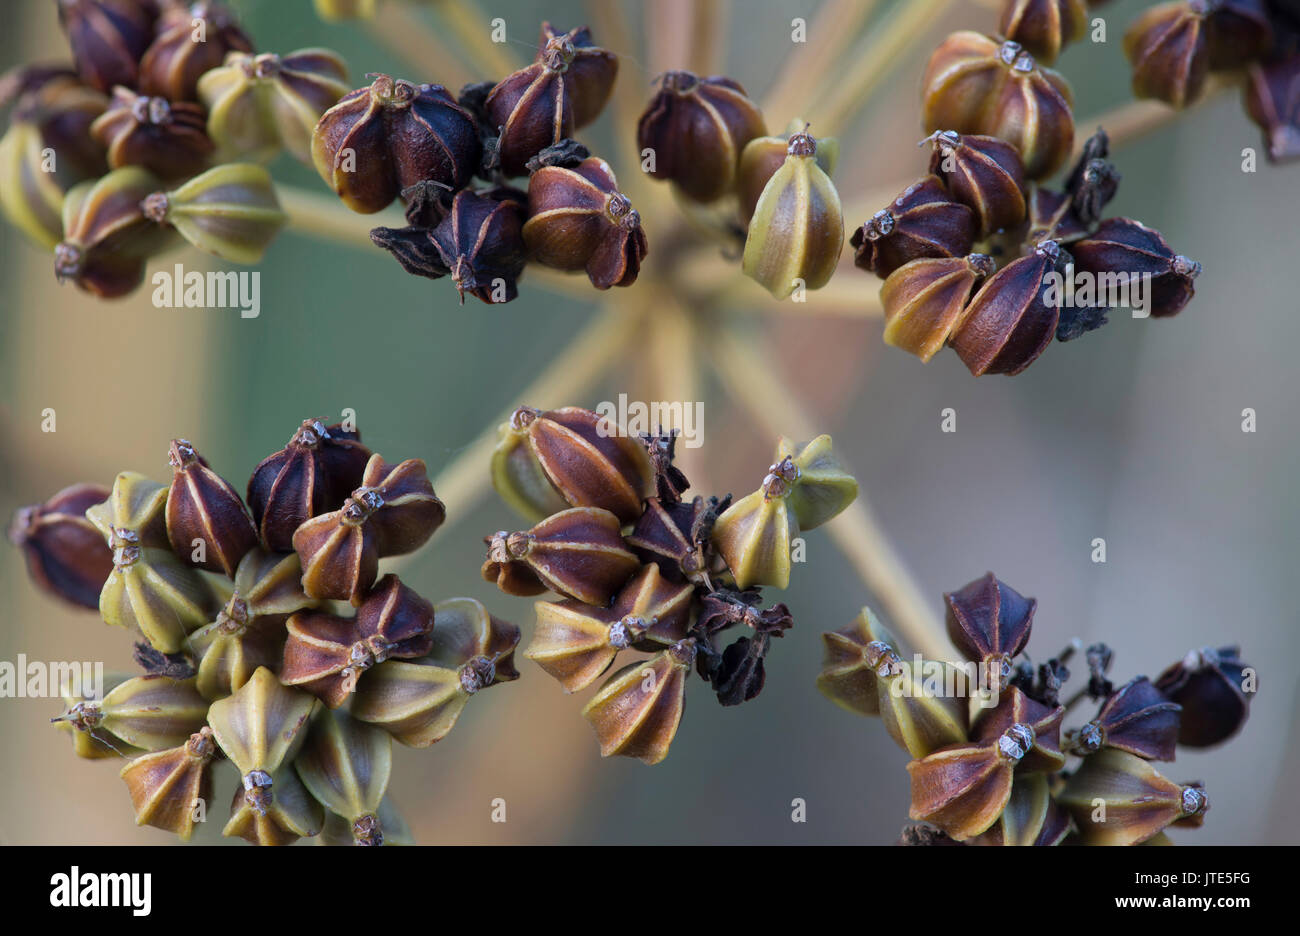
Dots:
{"x": 252, "y": 649}
{"x": 154, "y": 136}
{"x": 991, "y": 764}
{"x": 638, "y": 566}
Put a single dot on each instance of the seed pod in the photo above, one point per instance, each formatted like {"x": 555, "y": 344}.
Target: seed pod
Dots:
{"x": 1137, "y": 718}
{"x": 925, "y": 301}
{"x": 1237, "y": 32}
{"x": 47, "y": 150}
{"x": 822, "y": 489}
{"x": 326, "y": 655}
{"x": 696, "y": 129}
{"x": 481, "y": 244}
{"x": 579, "y": 220}
{"x": 577, "y": 552}
{"x": 249, "y": 631}
{"x": 106, "y": 236}
{"x": 963, "y": 788}
{"x": 170, "y": 140}
{"x": 1122, "y": 245}
{"x": 337, "y": 831}
{"x": 1166, "y": 46}
{"x": 1042, "y": 738}
{"x": 753, "y": 535}
{"x": 923, "y": 708}
{"x": 1211, "y": 686}
{"x": 191, "y": 40}
{"x": 1044, "y": 27}
{"x": 1272, "y": 102}
{"x": 977, "y": 84}
{"x": 379, "y": 140}
{"x": 149, "y": 587}
{"x": 202, "y": 507}
{"x": 1010, "y": 321}
{"x": 82, "y": 718}
{"x": 167, "y": 786}
{"x": 922, "y": 222}
{"x": 850, "y": 662}
{"x": 146, "y": 712}
{"x": 66, "y": 554}
{"x": 983, "y": 173}
{"x": 261, "y": 727}
{"x": 566, "y": 87}
{"x": 1052, "y": 217}
{"x": 589, "y": 460}
{"x": 517, "y": 473}
{"x": 419, "y": 702}
{"x": 1136, "y": 802}
{"x": 797, "y": 231}
{"x": 393, "y": 512}
{"x": 230, "y": 211}
{"x": 260, "y": 104}
{"x": 107, "y": 37}
{"x": 637, "y": 710}
{"x": 678, "y": 538}
{"x": 763, "y": 156}
{"x": 989, "y": 622}
{"x": 576, "y": 643}
{"x": 313, "y": 474}
{"x": 1031, "y": 816}
{"x": 345, "y": 765}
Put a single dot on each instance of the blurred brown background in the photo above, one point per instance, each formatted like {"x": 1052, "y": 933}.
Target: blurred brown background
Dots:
{"x": 1132, "y": 434}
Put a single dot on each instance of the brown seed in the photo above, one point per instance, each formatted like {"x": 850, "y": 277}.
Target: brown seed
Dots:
{"x": 1122, "y": 245}
{"x": 1043, "y": 751}
{"x": 326, "y": 655}
{"x": 313, "y": 474}
{"x": 192, "y": 39}
{"x": 1166, "y": 46}
{"x": 579, "y": 220}
{"x": 576, "y": 643}
{"x": 204, "y": 513}
{"x": 989, "y": 621}
{"x": 1044, "y": 27}
{"x": 1009, "y": 322}
{"x": 170, "y": 140}
{"x": 169, "y": 787}
{"x": 637, "y": 710}
{"x": 1273, "y": 102}
{"x": 1117, "y": 798}
{"x": 697, "y": 129}
{"x": 66, "y": 554}
{"x": 963, "y": 788}
{"x": 1052, "y": 217}
{"x": 925, "y": 301}
{"x": 1211, "y": 686}
{"x": 578, "y": 553}
{"x": 983, "y": 173}
{"x": 678, "y": 538}
{"x": 1137, "y": 718}
{"x": 977, "y": 84}
{"x": 393, "y": 512}
{"x": 589, "y": 459}
{"x": 107, "y": 37}
{"x": 923, "y": 222}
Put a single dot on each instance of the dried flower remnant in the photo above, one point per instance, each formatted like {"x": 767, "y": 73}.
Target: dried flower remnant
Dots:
{"x": 1015, "y": 777}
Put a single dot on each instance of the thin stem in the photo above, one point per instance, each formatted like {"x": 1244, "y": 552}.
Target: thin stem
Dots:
{"x": 837, "y": 24}
{"x": 856, "y": 531}
{"x": 708, "y": 35}
{"x": 610, "y": 27}
{"x": 871, "y": 63}
{"x": 400, "y": 29}
{"x": 467, "y": 21}
{"x": 1133, "y": 120}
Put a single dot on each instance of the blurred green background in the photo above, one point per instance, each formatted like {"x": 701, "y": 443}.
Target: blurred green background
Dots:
{"x": 1132, "y": 435}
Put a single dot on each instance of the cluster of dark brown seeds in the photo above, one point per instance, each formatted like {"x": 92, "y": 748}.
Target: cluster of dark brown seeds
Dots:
{"x": 396, "y": 139}
{"x": 979, "y": 254}
{"x": 637, "y": 565}
{"x": 269, "y": 638}
{"x": 991, "y": 763}
{"x": 153, "y": 136}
